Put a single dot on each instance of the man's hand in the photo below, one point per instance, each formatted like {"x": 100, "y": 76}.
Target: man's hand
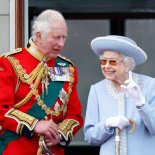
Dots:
{"x": 47, "y": 128}
{"x": 52, "y": 141}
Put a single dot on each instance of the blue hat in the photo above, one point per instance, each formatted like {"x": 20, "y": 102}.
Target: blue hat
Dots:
{"x": 120, "y": 44}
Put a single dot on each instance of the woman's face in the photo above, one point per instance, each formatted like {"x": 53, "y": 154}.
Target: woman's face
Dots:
{"x": 113, "y": 67}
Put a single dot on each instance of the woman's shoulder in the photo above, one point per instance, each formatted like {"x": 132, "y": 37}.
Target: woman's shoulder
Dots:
{"x": 146, "y": 81}
{"x": 146, "y": 78}
{"x": 99, "y": 84}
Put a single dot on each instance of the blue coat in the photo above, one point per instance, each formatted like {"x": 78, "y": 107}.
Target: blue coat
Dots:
{"x": 103, "y": 103}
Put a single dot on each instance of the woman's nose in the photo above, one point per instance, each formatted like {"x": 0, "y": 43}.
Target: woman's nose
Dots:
{"x": 107, "y": 65}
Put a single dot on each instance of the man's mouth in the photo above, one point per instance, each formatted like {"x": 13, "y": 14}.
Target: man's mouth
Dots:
{"x": 56, "y": 51}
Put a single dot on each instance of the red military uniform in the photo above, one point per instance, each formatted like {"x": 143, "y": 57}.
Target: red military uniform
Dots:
{"x": 25, "y": 78}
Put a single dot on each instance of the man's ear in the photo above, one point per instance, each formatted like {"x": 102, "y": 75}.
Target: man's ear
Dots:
{"x": 38, "y": 36}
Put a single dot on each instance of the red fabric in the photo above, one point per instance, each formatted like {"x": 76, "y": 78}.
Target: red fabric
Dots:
{"x": 7, "y": 87}
{"x": 8, "y": 80}
{"x": 74, "y": 107}
{"x": 24, "y": 146}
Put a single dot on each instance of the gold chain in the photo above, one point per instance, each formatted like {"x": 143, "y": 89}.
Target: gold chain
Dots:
{"x": 38, "y": 73}
{"x": 48, "y": 110}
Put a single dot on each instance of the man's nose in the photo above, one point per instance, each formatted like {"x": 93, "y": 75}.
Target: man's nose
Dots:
{"x": 61, "y": 42}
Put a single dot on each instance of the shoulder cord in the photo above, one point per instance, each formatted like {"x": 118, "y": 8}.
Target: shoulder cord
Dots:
{"x": 39, "y": 73}
{"x": 24, "y": 77}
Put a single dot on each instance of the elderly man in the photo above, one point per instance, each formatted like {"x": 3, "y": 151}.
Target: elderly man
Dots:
{"x": 40, "y": 111}
{"x": 122, "y": 104}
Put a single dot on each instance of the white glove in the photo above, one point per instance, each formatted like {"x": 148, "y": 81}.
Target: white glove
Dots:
{"x": 117, "y": 122}
{"x": 133, "y": 90}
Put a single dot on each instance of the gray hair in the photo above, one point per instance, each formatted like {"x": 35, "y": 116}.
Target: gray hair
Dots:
{"x": 43, "y": 22}
{"x": 130, "y": 62}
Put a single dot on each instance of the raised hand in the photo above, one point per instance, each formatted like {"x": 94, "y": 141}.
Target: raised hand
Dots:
{"x": 133, "y": 90}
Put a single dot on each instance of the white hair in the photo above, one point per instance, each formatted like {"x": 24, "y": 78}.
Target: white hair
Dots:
{"x": 44, "y": 21}
{"x": 130, "y": 62}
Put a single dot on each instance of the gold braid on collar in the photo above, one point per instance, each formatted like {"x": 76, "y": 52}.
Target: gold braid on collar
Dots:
{"x": 32, "y": 49}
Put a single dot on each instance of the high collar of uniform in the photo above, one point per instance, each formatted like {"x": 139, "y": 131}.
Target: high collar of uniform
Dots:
{"x": 32, "y": 49}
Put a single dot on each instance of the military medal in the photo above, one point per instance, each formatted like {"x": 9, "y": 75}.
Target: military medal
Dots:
{"x": 63, "y": 96}
{"x": 59, "y": 73}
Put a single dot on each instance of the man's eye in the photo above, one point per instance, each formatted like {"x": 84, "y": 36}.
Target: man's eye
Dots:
{"x": 57, "y": 37}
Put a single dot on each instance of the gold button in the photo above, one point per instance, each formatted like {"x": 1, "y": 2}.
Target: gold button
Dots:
{"x": 26, "y": 76}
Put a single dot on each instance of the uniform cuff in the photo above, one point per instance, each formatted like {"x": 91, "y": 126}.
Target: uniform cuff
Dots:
{"x": 66, "y": 129}
{"x": 25, "y": 122}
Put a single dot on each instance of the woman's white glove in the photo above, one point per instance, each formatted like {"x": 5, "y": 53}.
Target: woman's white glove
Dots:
{"x": 133, "y": 90}
{"x": 117, "y": 122}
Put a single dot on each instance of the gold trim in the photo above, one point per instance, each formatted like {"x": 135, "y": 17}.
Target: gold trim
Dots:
{"x": 35, "y": 52}
{"x": 43, "y": 149}
{"x": 17, "y": 85}
{"x": 133, "y": 125}
{"x": 20, "y": 129}
{"x": 17, "y": 50}
{"x": 21, "y": 73}
{"x": 22, "y": 118}
{"x": 66, "y": 128}
{"x": 63, "y": 108}
{"x": 66, "y": 59}
{"x": 37, "y": 75}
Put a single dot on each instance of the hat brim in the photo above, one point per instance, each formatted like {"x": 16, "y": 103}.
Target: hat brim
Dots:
{"x": 101, "y": 44}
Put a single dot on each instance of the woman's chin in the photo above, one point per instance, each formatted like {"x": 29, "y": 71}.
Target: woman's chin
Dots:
{"x": 110, "y": 77}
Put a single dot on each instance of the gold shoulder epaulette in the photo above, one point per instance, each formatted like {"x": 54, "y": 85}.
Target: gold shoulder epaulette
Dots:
{"x": 66, "y": 59}
{"x": 17, "y": 50}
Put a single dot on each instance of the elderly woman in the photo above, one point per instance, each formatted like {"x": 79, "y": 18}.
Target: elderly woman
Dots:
{"x": 123, "y": 100}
